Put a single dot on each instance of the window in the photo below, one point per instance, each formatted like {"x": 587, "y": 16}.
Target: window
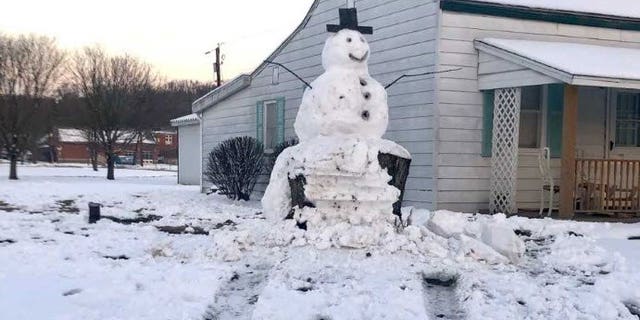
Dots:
{"x": 147, "y": 155}
{"x": 168, "y": 139}
{"x": 541, "y": 112}
{"x": 530, "y": 117}
{"x": 270, "y": 125}
{"x": 628, "y": 120}
{"x": 270, "y": 122}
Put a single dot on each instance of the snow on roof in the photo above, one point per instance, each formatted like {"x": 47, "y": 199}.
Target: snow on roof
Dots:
{"x": 77, "y": 136}
{"x": 576, "y": 59}
{"x": 220, "y": 93}
{"x": 622, "y": 8}
{"x": 72, "y": 135}
{"x": 185, "y": 120}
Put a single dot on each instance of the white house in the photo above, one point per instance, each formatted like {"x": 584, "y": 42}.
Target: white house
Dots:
{"x": 189, "y": 153}
{"x": 564, "y": 75}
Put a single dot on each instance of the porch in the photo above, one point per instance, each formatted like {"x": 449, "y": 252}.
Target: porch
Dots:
{"x": 587, "y": 117}
{"x": 607, "y": 186}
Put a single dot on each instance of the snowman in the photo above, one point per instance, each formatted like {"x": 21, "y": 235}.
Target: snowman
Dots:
{"x": 348, "y": 200}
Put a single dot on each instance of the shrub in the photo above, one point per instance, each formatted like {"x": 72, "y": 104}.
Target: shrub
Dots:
{"x": 277, "y": 150}
{"x": 234, "y": 166}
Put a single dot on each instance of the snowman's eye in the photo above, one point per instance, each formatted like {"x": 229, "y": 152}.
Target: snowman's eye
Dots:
{"x": 363, "y": 82}
{"x": 349, "y": 40}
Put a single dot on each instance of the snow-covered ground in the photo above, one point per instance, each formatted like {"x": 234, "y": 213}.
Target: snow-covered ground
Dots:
{"x": 54, "y": 265}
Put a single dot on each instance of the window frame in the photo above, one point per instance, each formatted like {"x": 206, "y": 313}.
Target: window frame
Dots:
{"x": 168, "y": 140}
{"x": 265, "y": 122}
{"x": 541, "y": 134}
{"x": 617, "y": 120}
{"x": 262, "y": 118}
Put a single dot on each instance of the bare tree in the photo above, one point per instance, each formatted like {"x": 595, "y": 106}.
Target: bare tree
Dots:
{"x": 113, "y": 88}
{"x": 166, "y": 101}
{"x": 29, "y": 69}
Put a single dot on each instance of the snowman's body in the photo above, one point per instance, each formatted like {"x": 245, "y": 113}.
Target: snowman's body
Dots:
{"x": 340, "y": 124}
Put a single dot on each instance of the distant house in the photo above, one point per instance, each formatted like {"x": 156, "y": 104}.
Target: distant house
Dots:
{"x": 72, "y": 145}
{"x": 166, "y": 146}
{"x": 530, "y": 74}
{"x": 189, "y": 153}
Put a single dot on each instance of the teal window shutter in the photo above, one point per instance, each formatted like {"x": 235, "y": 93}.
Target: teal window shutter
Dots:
{"x": 487, "y": 122}
{"x": 280, "y": 120}
{"x": 260, "y": 121}
{"x": 555, "y": 106}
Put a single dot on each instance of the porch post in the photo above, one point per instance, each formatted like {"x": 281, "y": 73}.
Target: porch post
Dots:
{"x": 504, "y": 154}
{"x": 568, "y": 171}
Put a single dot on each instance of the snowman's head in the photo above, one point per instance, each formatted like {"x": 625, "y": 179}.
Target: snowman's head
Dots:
{"x": 346, "y": 49}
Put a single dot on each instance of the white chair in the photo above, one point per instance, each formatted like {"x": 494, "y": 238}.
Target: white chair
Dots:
{"x": 544, "y": 163}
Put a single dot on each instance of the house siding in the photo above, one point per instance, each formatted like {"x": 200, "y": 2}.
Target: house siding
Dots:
{"x": 403, "y": 42}
{"x": 463, "y": 174}
{"x": 494, "y": 72}
{"x": 189, "y": 154}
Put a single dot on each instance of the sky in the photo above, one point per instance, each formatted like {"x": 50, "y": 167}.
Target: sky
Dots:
{"x": 172, "y": 35}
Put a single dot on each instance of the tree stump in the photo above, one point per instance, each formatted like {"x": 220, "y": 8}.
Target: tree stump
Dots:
{"x": 398, "y": 169}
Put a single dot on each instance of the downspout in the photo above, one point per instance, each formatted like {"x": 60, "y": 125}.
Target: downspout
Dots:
{"x": 436, "y": 114}
{"x": 178, "y": 152}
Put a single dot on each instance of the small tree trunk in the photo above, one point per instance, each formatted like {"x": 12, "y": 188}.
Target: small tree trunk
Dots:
{"x": 52, "y": 157}
{"x": 34, "y": 155}
{"x": 94, "y": 158}
{"x": 139, "y": 151}
{"x": 110, "y": 166}
{"x": 13, "y": 170}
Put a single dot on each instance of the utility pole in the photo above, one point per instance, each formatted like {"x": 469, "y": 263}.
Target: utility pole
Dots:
{"x": 217, "y": 65}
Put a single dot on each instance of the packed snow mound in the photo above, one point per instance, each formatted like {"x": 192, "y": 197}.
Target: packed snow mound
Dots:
{"x": 501, "y": 237}
{"x": 351, "y": 196}
{"x": 445, "y": 224}
{"x": 479, "y": 251}
{"x": 492, "y": 240}
{"x": 486, "y": 239}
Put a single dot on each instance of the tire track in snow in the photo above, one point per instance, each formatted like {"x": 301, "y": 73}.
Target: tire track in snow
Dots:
{"x": 237, "y": 298}
{"x": 440, "y": 296}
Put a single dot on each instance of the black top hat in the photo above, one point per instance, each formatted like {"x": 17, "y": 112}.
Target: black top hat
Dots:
{"x": 349, "y": 20}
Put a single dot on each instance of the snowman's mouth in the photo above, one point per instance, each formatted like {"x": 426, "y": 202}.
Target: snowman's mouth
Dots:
{"x": 356, "y": 59}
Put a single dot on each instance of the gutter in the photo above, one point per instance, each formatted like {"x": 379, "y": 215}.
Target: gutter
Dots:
{"x": 542, "y": 14}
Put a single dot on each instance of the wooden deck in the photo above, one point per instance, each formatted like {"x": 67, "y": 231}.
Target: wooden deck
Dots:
{"x": 607, "y": 186}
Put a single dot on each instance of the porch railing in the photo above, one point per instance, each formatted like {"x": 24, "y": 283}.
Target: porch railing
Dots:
{"x": 607, "y": 186}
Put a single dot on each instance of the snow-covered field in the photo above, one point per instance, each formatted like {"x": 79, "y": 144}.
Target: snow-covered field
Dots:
{"x": 54, "y": 265}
